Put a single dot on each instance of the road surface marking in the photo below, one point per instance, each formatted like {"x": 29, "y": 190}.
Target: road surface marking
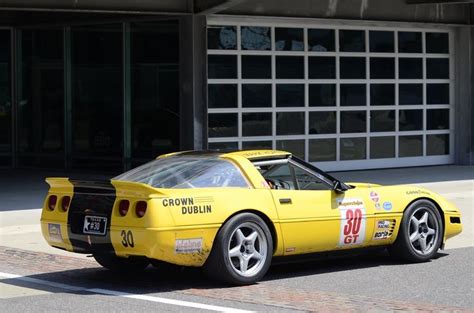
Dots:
{"x": 122, "y": 294}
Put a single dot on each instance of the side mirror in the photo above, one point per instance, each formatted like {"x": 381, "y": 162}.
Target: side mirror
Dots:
{"x": 337, "y": 187}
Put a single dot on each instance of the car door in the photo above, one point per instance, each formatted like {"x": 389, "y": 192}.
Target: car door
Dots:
{"x": 313, "y": 217}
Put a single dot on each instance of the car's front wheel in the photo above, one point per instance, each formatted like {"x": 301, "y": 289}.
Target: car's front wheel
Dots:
{"x": 420, "y": 234}
{"x": 242, "y": 251}
{"x": 115, "y": 263}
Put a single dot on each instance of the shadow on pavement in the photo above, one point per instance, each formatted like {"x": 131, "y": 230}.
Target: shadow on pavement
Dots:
{"x": 175, "y": 278}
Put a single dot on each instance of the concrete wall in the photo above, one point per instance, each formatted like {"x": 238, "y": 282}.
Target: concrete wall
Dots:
{"x": 464, "y": 111}
{"x": 384, "y": 10}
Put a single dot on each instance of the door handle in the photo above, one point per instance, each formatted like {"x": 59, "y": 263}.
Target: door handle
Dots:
{"x": 285, "y": 201}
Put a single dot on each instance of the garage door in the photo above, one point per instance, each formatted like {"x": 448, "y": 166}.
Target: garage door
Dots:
{"x": 341, "y": 96}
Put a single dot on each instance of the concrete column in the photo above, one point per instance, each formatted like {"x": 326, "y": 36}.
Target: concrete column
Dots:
{"x": 193, "y": 81}
{"x": 464, "y": 111}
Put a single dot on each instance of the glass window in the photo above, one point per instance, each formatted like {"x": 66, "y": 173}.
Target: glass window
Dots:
{"x": 410, "y": 68}
{"x": 437, "y": 93}
{"x": 290, "y": 123}
{"x": 186, "y": 172}
{"x": 382, "y": 147}
{"x": 256, "y": 124}
{"x": 353, "y": 95}
{"x": 322, "y": 95}
{"x": 353, "y": 121}
{"x": 223, "y": 145}
{"x": 410, "y": 120}
{"x": 353, "y": 148}
{"x": 352, "y": 40}
{"x": 437, "y": 119}
{"x": 382, "y": 121}
{"x": 278, "y": 176}
{"x": 41, "y": 136}
{"x": 409, "y": 42}
{"x": 222, "y": 95}
{"x": 321, "y": 40}
{"x": 437, "y": 43}
{"x": 289, "y": 95}
{"x": 410, "y": 146}
{"x": 155, "y": 89}
{"x": 256, "y": 66}
{"x": 322, "y": 122}
{"x": 352, "y": 68}
{"x": 222, "y": 66}
{"x": 437, "y": 68}
{"x": 258, "y": 145}
{"x": 97, "y": 100}
{"x": 222, "y": 124}
{"x": 382, "y": 68}
{"x": 289, "y": 39}
{"x": 322, "y": 67}
{"x": 437, "y": 144}
{"x": 381, "y": 41}
{"x": 294, "y": 146}
{"x": 382, "y": 94}
{"x": 222, "y": 37}
{"x": 307, "y": 181}
{"x": 321, "y": 150}
{"x": 256, "y": 95}
{"x": 255, "y": 38}
{"x": 410, "y": 94}
{"x": 289, "y": 67}
{"x": 5, "y": 99}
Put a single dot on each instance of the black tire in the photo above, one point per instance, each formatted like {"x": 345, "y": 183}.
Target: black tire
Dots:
{"x": 404, "y": 248}
{"x": 118, "y": 264}
{"x": 220, "y": 266}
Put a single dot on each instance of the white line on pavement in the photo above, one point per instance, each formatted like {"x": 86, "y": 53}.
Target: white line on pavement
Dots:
{"x": 195, "y": 305}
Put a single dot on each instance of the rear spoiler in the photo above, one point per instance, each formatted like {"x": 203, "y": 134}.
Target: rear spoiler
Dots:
{"x": 119, "y": 188}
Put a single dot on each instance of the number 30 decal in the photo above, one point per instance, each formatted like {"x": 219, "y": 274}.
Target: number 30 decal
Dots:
{"x": 352, "y": 222}
{"x": 127, "y": 238}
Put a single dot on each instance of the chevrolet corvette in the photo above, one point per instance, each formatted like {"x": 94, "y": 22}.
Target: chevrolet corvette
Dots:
{"x": 233, "y": 212}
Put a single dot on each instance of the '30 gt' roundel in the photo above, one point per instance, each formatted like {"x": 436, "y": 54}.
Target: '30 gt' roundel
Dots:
{"x": 352, "y": 221}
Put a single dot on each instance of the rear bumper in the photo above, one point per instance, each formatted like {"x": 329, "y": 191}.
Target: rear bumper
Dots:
{"x": 183, "y": 246}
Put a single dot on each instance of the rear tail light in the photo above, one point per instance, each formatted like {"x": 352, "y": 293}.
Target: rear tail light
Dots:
{"x": 65, "y": 202}
{"x": 140, "y": 208}
{"x": 52, "y": 202}
{"x": 123, "y": 207}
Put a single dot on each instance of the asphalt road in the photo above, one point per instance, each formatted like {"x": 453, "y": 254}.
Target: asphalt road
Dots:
{"x": 368, "y": 283}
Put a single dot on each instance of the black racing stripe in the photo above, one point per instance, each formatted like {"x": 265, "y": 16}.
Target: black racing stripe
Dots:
{"x": 94, "y": 198}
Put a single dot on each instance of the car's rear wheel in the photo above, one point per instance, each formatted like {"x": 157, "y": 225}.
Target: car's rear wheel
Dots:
{"x": 242, "y": 251}
{"x": 115, "y": 263}
{"x": 420, "y": 234}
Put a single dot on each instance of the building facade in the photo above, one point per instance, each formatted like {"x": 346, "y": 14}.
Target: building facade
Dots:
{"x": 348, "y": 84}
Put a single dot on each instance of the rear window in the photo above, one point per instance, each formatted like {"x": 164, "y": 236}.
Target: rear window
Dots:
{"x": 187, "y": 172}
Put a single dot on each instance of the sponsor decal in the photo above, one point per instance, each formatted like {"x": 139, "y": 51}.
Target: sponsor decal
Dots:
{"x": 417, "y": 192}
{"x": 387, "y": 206}
{"x": 189, "y": 205}
{"x": 291, "y": 249}
{"x": 353, "y": 221}
{"x": 379, "y": 235}
{"x": 383, "y": 224}
{"x": 375, "y": 198}
{"x": 191, "y": 245}
{"x": 54, "y": 231}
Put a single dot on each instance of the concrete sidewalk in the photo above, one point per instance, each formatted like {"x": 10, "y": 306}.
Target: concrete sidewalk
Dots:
{"x": 22, "y": 193}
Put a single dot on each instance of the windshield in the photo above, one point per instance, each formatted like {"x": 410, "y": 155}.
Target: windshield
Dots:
{"x": 187, "y": 172}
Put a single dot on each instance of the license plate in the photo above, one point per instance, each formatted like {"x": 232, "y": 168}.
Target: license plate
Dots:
{"x": 95, "y": 225}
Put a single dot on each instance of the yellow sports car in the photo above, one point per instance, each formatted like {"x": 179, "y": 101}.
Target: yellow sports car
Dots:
{"x": 232, "y": 212}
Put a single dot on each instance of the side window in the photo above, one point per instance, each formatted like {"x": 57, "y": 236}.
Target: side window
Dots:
{"x": 278, "y": 176}
{"x": 307, "y": 181}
